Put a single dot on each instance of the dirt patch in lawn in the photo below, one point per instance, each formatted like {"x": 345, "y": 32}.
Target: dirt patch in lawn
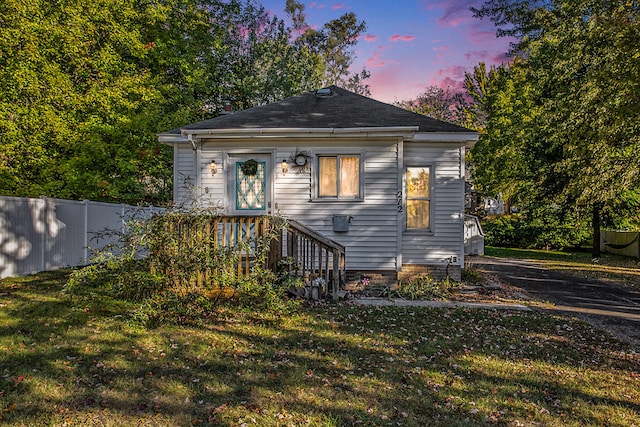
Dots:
{"x": 491, "y": 290}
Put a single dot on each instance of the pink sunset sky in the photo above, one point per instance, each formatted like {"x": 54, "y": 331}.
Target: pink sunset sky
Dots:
{"x": 412, "y": 44}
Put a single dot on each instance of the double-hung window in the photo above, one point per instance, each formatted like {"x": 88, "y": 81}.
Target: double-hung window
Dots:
{"x": 418, "y": 182}
{"x": 339, "y": 177}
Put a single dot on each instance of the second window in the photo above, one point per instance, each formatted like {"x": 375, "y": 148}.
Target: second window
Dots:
{"x": 339, "y": 177}
{"x": 418, "y": 181}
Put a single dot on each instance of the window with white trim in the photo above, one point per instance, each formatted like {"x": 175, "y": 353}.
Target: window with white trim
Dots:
{"x": 418, "y": 211}
{"x": 339, "y": 177}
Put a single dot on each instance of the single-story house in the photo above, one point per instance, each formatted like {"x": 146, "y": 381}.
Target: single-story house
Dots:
{"x": 386, "y": 183}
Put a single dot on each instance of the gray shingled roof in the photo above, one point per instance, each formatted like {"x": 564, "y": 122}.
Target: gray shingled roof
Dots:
{"x": 341, "y": 109}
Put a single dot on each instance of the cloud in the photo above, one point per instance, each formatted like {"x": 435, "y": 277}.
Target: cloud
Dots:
{"x": 501, "y": 58}
{"x": 376, "y": 60}
{"x": 337, "y": 6}
{"x": 370, "y": 38}
{"x": 315, "y": 5}
{"x": 397, "y": 37}
{"x": 481, "y": 36}
{"x": 442, "y": 50}
{"x": 454, "y": 12}
{"x": 478, "y": 56}
{"x": 452, "y": 78}
{"x": 454, "y": 71}
{"x": 390, "y": 86}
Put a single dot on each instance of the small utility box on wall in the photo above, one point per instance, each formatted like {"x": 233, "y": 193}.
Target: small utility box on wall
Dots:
{"x": 341, "y": 223}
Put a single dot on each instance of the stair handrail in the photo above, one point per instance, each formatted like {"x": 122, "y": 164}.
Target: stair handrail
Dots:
{"x": 338, "y": 253}
{"x": 303, "y": 229}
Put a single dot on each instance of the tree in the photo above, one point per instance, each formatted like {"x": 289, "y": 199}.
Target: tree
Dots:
{"x": 75, "y": 103}
{"x": 476, "y": 85}
{"x": 262, "y": 63}
{"x": 85, "y": 86}
{"x": 579, "y": 60}
{"x": 334, "y": 43}
{"x": 440, "y": 104}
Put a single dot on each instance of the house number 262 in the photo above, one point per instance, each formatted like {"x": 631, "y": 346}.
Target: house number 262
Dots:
{"x": 399, "y": 200}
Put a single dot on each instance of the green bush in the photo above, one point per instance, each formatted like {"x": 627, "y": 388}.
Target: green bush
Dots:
{"x": 543, "y": 229}
{"x": 423, "y": 287}
{"x": 172, "y": 266}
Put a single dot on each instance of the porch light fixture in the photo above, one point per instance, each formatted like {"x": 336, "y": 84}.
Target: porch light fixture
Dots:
{"x": 213, "y": 167}
{"x": 284, "y": 166}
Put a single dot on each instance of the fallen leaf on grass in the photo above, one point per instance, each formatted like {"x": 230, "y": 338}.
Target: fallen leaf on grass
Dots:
{"x": 10, "y": 408}
{"x": 216, "y": 411}
{"x": 220, "y": 408}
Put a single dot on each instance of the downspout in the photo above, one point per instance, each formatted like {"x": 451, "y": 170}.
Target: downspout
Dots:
{"x": 192, "y": 142}
{"x": 196, "y": 147}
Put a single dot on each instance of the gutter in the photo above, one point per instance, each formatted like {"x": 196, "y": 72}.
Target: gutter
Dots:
{"x": 360, "y": 132}
{"x": 469, "y": 138}
{"x": 407, "y": 133}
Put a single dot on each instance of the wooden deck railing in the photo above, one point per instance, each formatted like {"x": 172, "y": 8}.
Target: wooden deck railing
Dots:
{"x": 315, "y": 256}
{"x": 291, "y": 246}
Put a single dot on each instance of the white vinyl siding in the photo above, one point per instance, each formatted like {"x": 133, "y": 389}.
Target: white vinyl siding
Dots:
{"x": 447, "y": 222}
{"x": 372, "y": 237}
{"x": 375, "y": 229}
{"x": 184, "y": 173}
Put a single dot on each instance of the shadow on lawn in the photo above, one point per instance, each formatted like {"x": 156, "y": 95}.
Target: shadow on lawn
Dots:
{"x": 67, "y": 359}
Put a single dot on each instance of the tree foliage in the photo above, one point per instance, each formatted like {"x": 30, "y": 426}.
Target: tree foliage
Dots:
{"x": 85, "y": 86}
{"x": 75, "y": 101}
{"x": 563, "y": 119}
{"x": 441, "y": 104}
{"x": 334, "y": 42}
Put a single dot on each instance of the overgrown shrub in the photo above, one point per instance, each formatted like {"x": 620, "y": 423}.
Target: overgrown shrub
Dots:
{"x": 423, "y": 287}
{"x": 175, "y": 268}
{"x": 543, "y": 229}
{"x": 471, "y": 276}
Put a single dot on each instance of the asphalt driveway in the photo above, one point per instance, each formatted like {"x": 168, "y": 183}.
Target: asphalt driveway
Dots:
{"x": 612, "y": 307}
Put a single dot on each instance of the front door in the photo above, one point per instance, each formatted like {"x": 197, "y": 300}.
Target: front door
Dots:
{"x": 249, "y": 182}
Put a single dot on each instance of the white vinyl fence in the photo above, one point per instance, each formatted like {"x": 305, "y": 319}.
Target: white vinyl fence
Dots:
{"x": 46, "y": 234}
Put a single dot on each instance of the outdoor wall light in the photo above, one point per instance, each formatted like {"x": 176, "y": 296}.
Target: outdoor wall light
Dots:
{"x": 213, "y": 167}
{"x": 285, "y": 167}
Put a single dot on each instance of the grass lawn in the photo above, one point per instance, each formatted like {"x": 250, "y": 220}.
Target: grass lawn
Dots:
{"x": 71, "y": 362}
{"x": 608, "y": 267}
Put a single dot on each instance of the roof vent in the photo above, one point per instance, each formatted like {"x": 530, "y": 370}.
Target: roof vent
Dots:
{"x": 324, "y": 93}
